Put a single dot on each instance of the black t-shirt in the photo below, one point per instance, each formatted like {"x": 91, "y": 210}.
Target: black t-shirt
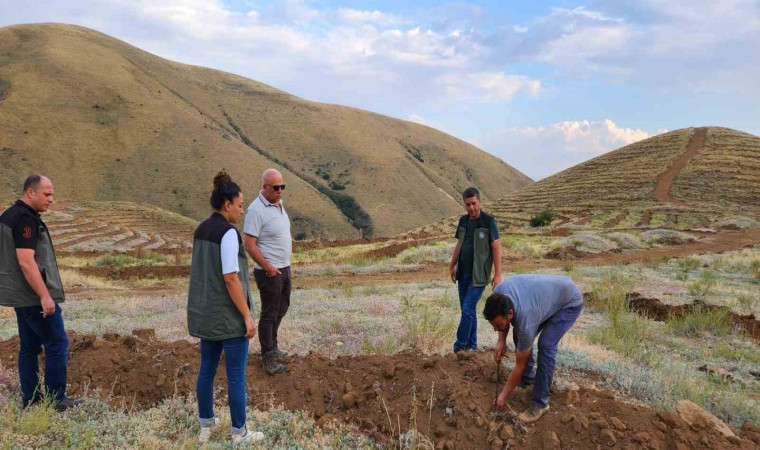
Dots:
{"x": 467, "y": 251}
{"x": 25, "y": 223}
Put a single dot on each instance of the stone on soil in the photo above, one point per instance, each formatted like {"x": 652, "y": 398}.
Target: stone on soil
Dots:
{"x": 349, "y": 400}
{"x": 551, "y": 441}
{"x": 693, "y": 414}
{"x": 617, "y": 424}
{"x": 608, "y": 437}
{"x": 507, "y": 432}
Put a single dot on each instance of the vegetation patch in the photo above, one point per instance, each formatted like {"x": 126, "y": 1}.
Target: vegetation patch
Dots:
{"x": 701, "y": 320}
{"x": 667, "y": 237}
{"x": 542, "y": 219}
{"x": 590, "y": 243}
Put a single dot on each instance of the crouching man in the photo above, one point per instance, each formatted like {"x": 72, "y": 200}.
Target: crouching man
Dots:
{"x": 532, "y": 304}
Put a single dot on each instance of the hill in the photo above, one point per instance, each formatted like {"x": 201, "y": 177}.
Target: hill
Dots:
{"x": 688, "y": 178}
{"x": 108, "y": 121}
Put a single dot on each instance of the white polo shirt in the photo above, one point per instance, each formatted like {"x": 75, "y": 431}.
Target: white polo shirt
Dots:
{"x": 270, "y": 225}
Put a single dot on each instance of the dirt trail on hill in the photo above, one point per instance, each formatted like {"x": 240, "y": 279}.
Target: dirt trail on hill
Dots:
{"x": 713, "y": 243}
{"x": 450, "y": 396}
{"x": 665, "y": 180}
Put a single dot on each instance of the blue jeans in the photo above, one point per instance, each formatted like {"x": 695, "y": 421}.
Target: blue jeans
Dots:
{"x": 236, "y": 358}
{"x": 551, "y": 331}
{"x": 36, "y": 333}
{"x": 469, "y": 296}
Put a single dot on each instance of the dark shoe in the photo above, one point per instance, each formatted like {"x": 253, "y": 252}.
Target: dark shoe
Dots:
{"x": 533, "y": 413}
{"x": 279, "y": 355}
{"x": 67, "y": 404}
{"x": 524, "y": 384}
{"x": 271, "y": 367}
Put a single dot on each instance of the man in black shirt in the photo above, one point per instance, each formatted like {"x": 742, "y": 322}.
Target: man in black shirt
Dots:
{"x": 477, "y": 248}
{"x": 31, "y": 284}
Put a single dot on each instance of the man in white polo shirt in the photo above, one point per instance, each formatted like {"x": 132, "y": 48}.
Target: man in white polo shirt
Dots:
{"x": 268, "y": 241}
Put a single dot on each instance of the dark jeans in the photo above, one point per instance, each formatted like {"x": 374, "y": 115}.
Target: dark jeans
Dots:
{"x": 275, "y": 301}
{"x": 235, "y": 359}
{"x": 36, "y": 332}
{"x": 469, "y": 296}
{"x": 551, "y": 331}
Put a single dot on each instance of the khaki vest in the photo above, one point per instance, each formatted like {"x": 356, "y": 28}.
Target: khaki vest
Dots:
{"x": 211, "y": 314}
{"x": 483, "y": 260}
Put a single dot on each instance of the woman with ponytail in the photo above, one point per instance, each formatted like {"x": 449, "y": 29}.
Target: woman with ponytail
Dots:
{"x": 219, "y": 308}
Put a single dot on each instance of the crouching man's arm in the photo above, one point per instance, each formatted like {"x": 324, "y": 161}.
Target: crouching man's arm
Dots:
{"x": 513, "y": 379}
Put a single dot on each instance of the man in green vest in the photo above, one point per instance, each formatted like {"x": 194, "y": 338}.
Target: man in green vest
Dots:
{"x": 30, "y": 283}
{"x": 477, "y": 249}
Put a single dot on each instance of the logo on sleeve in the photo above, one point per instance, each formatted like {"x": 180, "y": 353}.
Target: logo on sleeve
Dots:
{"x": 27, "y": 233}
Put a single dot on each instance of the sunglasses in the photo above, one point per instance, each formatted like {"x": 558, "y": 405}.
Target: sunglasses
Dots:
{"x": 276, "y": 187}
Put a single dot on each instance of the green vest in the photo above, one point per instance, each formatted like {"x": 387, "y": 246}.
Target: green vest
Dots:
{"x": 211, "y": 314}
{"x": 483, "y": 255}
{"x": 14, "y": 289}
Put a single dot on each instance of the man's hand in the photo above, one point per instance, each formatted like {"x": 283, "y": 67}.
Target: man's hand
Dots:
{"x": 501, "y": 401}
{"x": 496, "y": 280}
{"x": 48, "y": 306}
{"x": 250, "y": 327}
{"x": 499, "y": 350}
{"x": 453, "y": 273}
{"x": 271, "y": 271}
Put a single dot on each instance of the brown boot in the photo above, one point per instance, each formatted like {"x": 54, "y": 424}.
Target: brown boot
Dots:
{"x": 270, "y": 366}
{"x": 533, "y": 413}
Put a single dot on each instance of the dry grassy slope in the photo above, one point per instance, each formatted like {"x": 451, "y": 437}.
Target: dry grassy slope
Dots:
{"x": 162, "y": 129}
{"x": 723, "y": 179}
{"x": 726, "y": 170}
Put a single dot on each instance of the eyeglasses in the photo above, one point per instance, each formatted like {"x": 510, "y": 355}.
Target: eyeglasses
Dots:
{"x": 276, "y": 187}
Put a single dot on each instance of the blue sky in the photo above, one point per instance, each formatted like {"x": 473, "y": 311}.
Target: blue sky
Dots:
{"x": 541, "y": 84}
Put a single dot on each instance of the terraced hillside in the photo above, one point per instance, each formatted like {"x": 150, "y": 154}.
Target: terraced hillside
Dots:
{"x": 726, "y": 170}
{"x": 108, "y": 121}
{"x": 105, "y": 227}
{"x": 688, "y": 178}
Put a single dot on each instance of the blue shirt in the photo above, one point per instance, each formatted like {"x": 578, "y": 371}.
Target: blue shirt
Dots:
{"x": 536, "y": 299}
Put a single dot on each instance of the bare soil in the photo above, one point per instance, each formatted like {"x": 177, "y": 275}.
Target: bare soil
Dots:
{"x": 612, "y": 223}
{"x": 710, "y": 243}
{"x": 449, "y": 397}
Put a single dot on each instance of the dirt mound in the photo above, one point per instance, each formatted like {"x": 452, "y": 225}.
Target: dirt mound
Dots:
{"x": 565, "y": 253}
{"x": 389, "y": 251}
{"x": 448, "y": 397}
{"x": 656, "y": 310}
{"x": 125, "y": 273}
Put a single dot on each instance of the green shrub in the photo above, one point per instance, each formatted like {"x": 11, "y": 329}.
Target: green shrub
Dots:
{"x": 748, "y": 302}
{"x": 687, "y": 264}
{"x": 425, "y": 327}
{"x": 300, "y": 236}
{"x": 567, "y": 267}
{"x": 117, "y": 260}
{"x": 701, "y": 288}
{"x": 544, "y": 218}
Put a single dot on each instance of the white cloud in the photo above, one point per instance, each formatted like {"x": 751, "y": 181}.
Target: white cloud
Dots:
{"x": 416, "y": 118}
{"x": 547, "y": 149}
{"x": 585, "y": 136}
{"x": 487, "y": 87}
{"x": 519, "y": 29}
{"x": 377, "y": 17}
